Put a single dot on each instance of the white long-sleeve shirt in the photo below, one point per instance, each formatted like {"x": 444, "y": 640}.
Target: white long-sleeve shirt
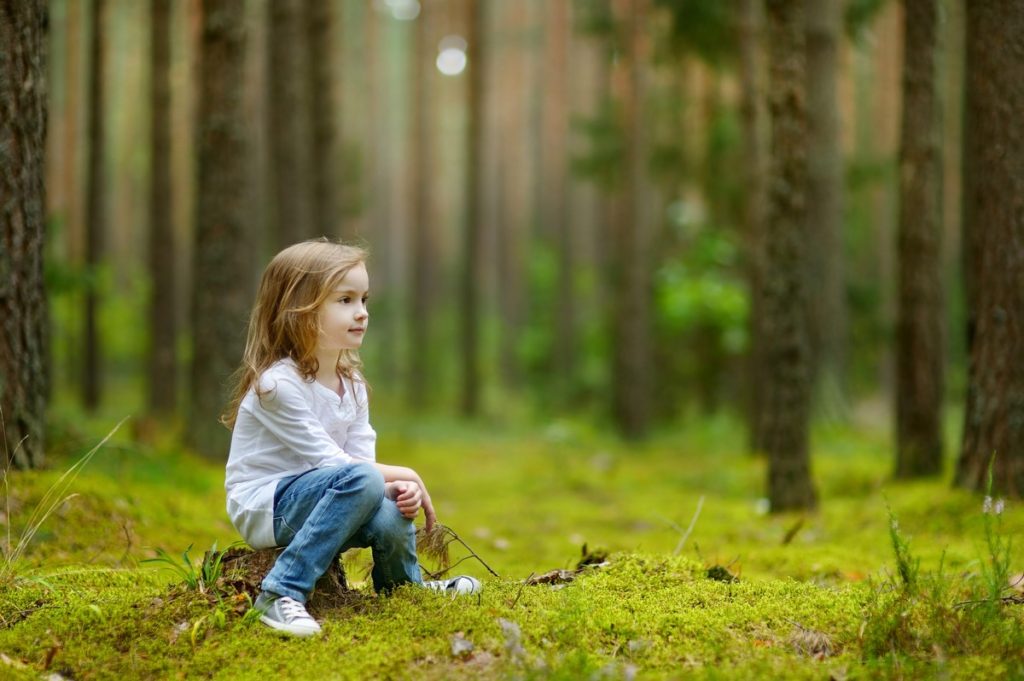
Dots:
{"x": 297, "y": 426}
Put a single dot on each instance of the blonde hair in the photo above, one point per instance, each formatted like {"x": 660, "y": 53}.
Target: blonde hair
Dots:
{"x": 285, "y": 319}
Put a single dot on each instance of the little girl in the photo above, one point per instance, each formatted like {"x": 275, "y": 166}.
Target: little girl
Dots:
{"x": 302, "y": 469}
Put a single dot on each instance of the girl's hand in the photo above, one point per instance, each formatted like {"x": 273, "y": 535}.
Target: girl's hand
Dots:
{"x": 407, "y": 495}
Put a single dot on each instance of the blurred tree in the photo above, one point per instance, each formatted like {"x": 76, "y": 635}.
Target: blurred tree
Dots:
{"x": 919, "y": 327}
{"x": 163, "y": 372}
{"x": 424, "y": 247}
{"x": 554, "y": 188}
{"x": 788, "y": 391}
{"x": 290, "y": 133}
{"x": 320, "y": 33}
{"x": 749, "y": 23}
{"x": 629, "y": 310}
{"x": 223, "y": 239}
{"x": 24, "y": 323}
{"x": 96, "y": 210}
{"x": 469, "y": 329}
{"x": 825, "y": 267}
{"x": 994, "y": 246}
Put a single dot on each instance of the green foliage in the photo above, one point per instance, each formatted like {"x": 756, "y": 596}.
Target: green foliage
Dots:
{"x": 703, "y": 27}
{"x": 859, "y": 14}
{"x": 603, "y": 141}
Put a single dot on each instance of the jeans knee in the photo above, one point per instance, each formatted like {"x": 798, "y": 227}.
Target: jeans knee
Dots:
{"x": 367, "y": 482}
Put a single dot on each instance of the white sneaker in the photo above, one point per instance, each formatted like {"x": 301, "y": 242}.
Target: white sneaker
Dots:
{"x": 463, "y": 584}
{"x": 286, "y": 615}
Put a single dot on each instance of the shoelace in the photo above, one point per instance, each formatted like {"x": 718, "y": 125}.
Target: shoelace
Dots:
{"x": 292, "y": 609}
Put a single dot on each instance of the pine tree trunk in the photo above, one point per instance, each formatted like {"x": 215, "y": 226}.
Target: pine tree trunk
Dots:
{"x": 223, "y": 240}
{"x": 827, "y": 328}
{"x": 319, "y": 33}
{"x": 750, "y": 21}
{"x": 96, "y": 212}
{"x": 555, "y": 203}
{"x": 163, "y": 374}
{"x": 24, "y": 321}
{"x": 629, "y": 316}
{"x": 994, "y": 230}
{"x": 787, "y": 404}
{"x": 919, "y": 327}
{"x": 290, "y": 135}
{"x": 471, "y": 260}
{"x": 421, "y": 294}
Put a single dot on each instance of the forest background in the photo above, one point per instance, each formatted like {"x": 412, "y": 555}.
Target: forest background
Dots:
{"x": 663, "y": 225}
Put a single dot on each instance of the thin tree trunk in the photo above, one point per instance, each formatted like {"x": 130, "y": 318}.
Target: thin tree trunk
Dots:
{"x": 919, "y": 327}
{"x": 320, "y": 32}
{"x": 24, "y": 322}
{"x": 471, "y": 260}
{"x": 750, "y": 23}
{"x": 994, "y": 208}
{"x": 555, "y": 203}
{"x": 787, "y": 405}
{"x": 422, "y": 293}
{"x": 629, "y": 317}
{"x": 824, "y": 202}
{"x": 96, "y": 210}
{"x": 163, "y": 383}
{"x": 223, "y": 241}
{"x": 289, "y": 108}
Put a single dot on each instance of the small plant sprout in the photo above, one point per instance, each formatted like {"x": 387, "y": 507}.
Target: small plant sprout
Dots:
{"x": 200, "y": 580}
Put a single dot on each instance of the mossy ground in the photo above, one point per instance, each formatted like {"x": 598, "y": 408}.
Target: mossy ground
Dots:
{"x": 826, "y": 602}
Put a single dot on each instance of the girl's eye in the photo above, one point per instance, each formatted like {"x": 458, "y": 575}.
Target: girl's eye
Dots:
{"x": 345, "y": 299}
{"x": 365, "y": 298}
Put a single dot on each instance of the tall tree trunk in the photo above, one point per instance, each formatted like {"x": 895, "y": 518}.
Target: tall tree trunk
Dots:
{"x": 223, "y": 242}
{"x": 24, "y": 322}
{"x": 994, "y": 208}
{"x": 320, "y": 33}
{"x": 163, "y": 383}
{"x": 787, "y": 355}
{"x": 827, "y": 328}
{"x": 96, "y": 212}
{"x": 471, "y": 260}
{"x": 289, "y": 108}
{"x": 555, "y": 195}
{"x": 421, "y": 294}
{"x": 630, "y": 314}
{"x": 919, "y": 326}
{"x": 750, "y": 21}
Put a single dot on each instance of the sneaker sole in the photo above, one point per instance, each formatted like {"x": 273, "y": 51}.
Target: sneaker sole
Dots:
{"x": 285, "y": 629}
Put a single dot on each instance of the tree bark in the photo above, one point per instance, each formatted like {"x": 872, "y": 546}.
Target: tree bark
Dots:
{"x": 919, "y": 326}
{"x": 163, "y": 374}
{"x": 787, "y": 354}
{"x": 471, "y": 260}
{"x": 827, "y": 328}
{"x": 320, "y": 32}
{"x": 630, "y": 314}
{"x": 24, "y": 321}
{"x": 994, "y": 209}
{"x": 96, "y": 212}
{"x": 223, "y": 241}
{"x": 290, "y": 129}
{"x": 421, "y": 295}
{"x": 750, "y": 22}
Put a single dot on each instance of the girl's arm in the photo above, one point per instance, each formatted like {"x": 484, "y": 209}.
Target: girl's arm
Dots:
{"x": 404, "y": 473}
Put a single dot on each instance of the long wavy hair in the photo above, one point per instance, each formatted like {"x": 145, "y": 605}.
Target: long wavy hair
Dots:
{"x": 285, "y": 319}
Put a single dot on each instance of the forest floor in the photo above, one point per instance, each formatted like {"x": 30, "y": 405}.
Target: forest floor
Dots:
{"x": 699, "y": 581}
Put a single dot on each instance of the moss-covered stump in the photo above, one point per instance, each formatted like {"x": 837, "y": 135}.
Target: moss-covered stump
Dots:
{"x": 244, "y": 569}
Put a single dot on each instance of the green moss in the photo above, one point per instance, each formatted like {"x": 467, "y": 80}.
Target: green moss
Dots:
{"x": 527, "y": 505}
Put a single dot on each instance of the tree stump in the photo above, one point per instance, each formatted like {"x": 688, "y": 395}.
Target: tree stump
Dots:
{"x": 244, "y": 569}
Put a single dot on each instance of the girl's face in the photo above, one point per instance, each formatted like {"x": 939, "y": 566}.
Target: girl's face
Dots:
{"x": 343, "y": 316}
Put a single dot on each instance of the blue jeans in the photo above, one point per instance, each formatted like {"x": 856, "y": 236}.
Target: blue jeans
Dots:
{"x": 325, "y": 511}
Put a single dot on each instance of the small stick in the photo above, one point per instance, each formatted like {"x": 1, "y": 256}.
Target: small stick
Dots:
{"x": 693, "y": 521}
